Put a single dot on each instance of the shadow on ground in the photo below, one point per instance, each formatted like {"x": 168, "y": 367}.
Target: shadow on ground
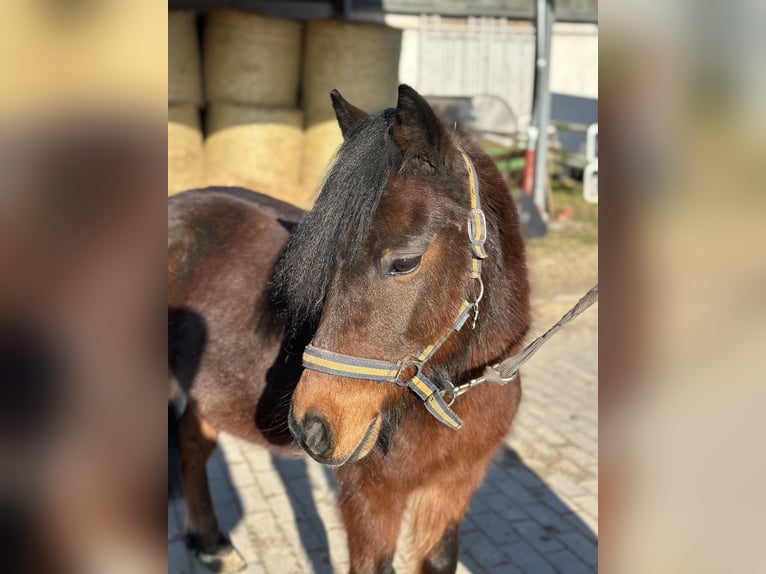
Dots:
{"x": 310, "y": 526}
{"x": 514, "y": 517}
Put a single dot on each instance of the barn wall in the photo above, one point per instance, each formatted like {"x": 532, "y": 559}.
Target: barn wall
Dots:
{"x": 467, "y": 56}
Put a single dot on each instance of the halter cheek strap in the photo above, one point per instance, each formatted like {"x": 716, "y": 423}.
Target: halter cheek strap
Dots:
{"x": 338, "y": 364}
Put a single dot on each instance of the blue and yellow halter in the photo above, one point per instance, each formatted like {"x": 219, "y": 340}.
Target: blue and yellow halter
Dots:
{"x": 338, "y": 364}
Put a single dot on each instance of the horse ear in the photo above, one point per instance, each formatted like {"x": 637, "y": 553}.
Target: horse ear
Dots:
{"x": 417, "y": 130}
{"x": 348, "y": 115}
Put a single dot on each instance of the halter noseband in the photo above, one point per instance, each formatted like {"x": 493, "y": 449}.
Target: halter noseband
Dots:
{"x": 338, "y": 364}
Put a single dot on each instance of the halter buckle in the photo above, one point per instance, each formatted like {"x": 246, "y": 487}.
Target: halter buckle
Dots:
{"x": 477, "y": 232}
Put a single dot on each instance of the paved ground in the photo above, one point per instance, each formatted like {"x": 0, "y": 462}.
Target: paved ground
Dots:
{"x": 537, "y": 511}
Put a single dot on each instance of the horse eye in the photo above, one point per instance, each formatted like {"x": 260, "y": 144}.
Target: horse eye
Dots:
{"x": 404, "y": 266}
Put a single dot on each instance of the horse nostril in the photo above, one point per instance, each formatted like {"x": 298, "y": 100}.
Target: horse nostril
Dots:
{"x": 317, "y": 436}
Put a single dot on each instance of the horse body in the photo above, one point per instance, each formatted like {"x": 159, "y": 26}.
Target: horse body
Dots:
{"x": 376, "y": 270}
{"x": 224, "y": 334}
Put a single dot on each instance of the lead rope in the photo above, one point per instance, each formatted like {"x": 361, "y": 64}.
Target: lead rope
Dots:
{"x": 508, "y": 370}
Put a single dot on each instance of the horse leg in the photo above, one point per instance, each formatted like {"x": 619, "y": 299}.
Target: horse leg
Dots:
{"x": 437, "y": 512}
{"x": 372, "y": 515}
{"x": 196, "y": 442}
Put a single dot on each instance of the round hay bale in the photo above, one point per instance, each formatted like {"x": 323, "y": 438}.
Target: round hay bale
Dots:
{"x": 185, "y": 149}
{"x": 184, "y": 75}
{"x": 359, "y": 59}
{"x": 255, "y": 147}
{"x": 252, "y": 59}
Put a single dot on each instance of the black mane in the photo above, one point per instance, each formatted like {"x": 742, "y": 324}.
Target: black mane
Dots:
{"x": 340, "y": 221}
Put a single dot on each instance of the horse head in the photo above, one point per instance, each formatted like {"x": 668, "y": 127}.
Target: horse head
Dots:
{"x": 386, "y": 264}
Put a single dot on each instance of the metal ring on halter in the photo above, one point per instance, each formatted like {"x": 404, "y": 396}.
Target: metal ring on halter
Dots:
{"x": 459, "y": 390}
{"x": 481, "y": 291}
{"x": 403, "y": 364}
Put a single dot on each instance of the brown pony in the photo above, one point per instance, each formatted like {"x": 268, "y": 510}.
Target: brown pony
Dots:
{"x": 376, "y": 271}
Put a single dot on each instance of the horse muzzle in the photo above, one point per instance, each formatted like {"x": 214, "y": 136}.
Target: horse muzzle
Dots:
{"x": 315, "y": 435}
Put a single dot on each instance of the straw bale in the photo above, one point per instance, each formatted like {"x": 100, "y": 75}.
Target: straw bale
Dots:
{"x": 184, "y": 74}
{"x": 323, "y": 137}
{"x": 185, "y": 149}
{"x": 359, "y": 59}
{"x": 252, "y": 59}
{"x": 255, "y": 147}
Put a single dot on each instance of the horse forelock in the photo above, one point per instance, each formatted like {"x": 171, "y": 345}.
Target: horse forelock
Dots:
{"x": 339, "y": 223}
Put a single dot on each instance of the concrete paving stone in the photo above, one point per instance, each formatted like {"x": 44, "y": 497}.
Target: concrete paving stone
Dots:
{"x": 289, "y": 468}
{"x": 254, "y": 568}
{"x": 241, "y": 475}
{"x": 496, "y": 474}
{"x": 263, "y": 520}
{"x": 538, "y": 455}
{"x": 481, "y": 503}
{"x": 524, "y": 477}
{"x": 243, "y": 541}
{"x": 567, "y": 563}
{"x": 251, "y": 499}
{"x": 587, "y": 502}
{"x": 282, "y": 507}
{"x": 574, "y": 519}
{"x": 542, "y": 514}
{"x": 485, "y": 553}
{"x": 496, "y": 529}
{"x": 590, "y": 521}
{"x": 216, "y": 468}
{"x": 563, "y": 485}
{"x": 257, "y": 457}
{"x": 178, "y": 559}
{"x": 469, "y": 563}
{"x": 315, "y": 563}
{"x": 571, "y": 469}
{"x": 581, "y": 457}
{"x": 516, "y": 493}
{"x": 537, "y": 536}
{"x": 338, "y": 547}
{"x": 527, "y": 559}
{"x": 222, "y": 491}
{"x": 505, "y": 508}
{"x": 230, "y": 448}
{"x": 311, "y": 540}
{"x": 551, "y": 436}
{"x": 588, "y": 443}
{"x": 586, "y": 548}
{"x": 175, "y": 522}
{"x": 270, "y": 484}
{"x": 591, "y": 485}
{"x": 229, "y": 515}
{"x": 279, "y": 562}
